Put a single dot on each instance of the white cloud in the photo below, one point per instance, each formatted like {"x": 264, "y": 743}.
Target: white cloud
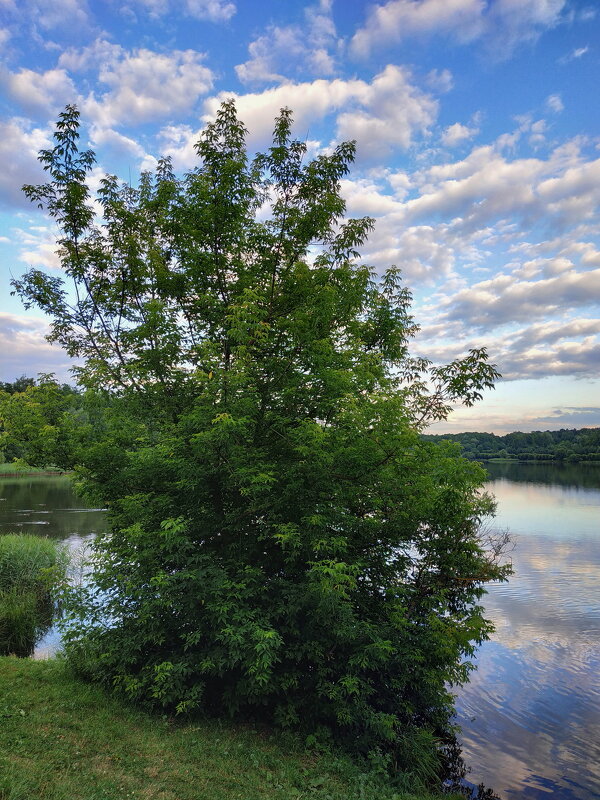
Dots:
{"x": 120, "y": 145}
{"x": 206, "y": 10}
{"x": 578, "y": 52}
{"x": 25, "y": 350}
{"x": 19, "y": 147}
{"x": 440, "y": 80}
{"x": 293, "y": 49}
{"x": 37, "y": 246}
{"x": 400, "y": 19}
{"x": 387, "y": 112}
{"x": 91, "y": 57}
{"x": 146, "y": 85}
{"x": 211, "y": 10}
{"x": 57, "y": 13}
{"x": 43, "y": 92}
{"x": 503, "y": 299}
{"x": 457, "y": 133}
{"x": 177, "y": 142}
{"x": 394, "y": 111}
{"x": 555, "y": 103}
{"x": 507, "y": 22}
{"x": 486, "y": 186}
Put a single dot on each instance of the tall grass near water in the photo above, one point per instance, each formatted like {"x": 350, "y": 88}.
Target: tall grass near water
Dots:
{"x": 31, "y": 571}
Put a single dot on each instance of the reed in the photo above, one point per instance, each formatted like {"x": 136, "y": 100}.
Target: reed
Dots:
{"x": 31, "y": 571}
{"x": 30, "y": 563}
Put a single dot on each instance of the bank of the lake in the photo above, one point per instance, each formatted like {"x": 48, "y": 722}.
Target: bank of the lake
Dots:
{"x": 62, "y": 739}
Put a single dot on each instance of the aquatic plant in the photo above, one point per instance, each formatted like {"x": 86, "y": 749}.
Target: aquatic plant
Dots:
{"x": 32, "y": 569}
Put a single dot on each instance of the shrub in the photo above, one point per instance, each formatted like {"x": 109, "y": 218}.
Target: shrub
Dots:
{"x": 284, "y": 543}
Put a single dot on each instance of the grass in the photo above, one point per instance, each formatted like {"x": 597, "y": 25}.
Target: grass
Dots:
{"x": 29, "y": 563}
{"x": 30, "y": 567}
{"x": 62, "y": 739}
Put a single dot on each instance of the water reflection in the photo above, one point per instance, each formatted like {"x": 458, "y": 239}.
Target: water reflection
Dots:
{"x": 48, "y": 506}
{"x": 551, "y": 473}
{"x": 531, "y": 714}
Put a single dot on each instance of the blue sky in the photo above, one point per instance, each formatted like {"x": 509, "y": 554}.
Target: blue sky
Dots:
{"x": 478, "y": 133}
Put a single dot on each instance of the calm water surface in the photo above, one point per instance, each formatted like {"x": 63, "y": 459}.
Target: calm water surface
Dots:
{"x": 48, "y": 506}
{"x": 531, "y": 714}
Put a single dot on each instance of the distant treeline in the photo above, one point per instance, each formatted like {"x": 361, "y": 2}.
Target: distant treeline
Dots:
{"x": 44, "y": 422}
{"x": 567, "y": 444}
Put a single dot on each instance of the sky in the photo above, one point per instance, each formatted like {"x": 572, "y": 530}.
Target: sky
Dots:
{"x": 478, "y": 135}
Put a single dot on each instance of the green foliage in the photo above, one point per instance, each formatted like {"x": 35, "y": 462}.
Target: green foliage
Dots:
{"x": 31, "y": 570}
{"x": 40, "y": 422}
{"x": 566, "y": 444}
{"x": 284, "y": 543}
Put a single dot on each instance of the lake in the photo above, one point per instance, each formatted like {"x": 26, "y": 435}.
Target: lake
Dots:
{"x": 531, "y": 713}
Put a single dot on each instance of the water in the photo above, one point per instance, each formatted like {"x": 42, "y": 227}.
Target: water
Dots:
{"x": 531, "y": 714}
{"x": 48, "y": 506}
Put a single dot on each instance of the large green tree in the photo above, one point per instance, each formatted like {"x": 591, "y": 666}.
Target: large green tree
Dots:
{"x": 284, "y": 543}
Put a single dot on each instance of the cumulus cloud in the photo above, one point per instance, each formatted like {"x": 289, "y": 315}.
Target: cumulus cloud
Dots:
{"x": 91, "y": 57}
{"x": 385, "y": 113}
{"x": 503, "y": 299}
{"x": 19, "y": 147}
{"x": 394, "y": 110}
{"x": 537, "y": 351}
{"x": 549, "y": 332}
{"x": 51, "y": 14}
{"x": 577, "y": 359}
{"x": 212, "y": 10}
{"x": 457, "y": 133}
{"x": 486, "y": 186}
{"x": 301, "y": 48}
{"x": 507, "y": 22}
{"x": 39, "y": 92}
{"x": 64, "y": 16}
{"x": 113, "y": 142}
{"x": 144, "y": 85}
{"x": 177, "y": 143}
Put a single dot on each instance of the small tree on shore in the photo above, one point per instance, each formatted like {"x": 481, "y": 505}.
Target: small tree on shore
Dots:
{"x": 283, "y": 541}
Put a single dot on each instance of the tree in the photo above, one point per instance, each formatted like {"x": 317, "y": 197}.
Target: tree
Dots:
{"x": 283, "y": 543}
{"x": 37, "y": 421}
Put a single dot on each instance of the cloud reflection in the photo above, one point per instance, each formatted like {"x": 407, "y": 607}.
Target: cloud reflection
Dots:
{"x": 531, "y": 714}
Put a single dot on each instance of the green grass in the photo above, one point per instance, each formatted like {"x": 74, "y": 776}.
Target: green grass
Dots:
{"x": 29, "y": 563}
{"x": 30, "y": 567}
{"x": 61, "y": 739}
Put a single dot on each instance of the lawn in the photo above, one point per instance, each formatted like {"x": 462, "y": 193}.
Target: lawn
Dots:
{"x": 62, "y": 739}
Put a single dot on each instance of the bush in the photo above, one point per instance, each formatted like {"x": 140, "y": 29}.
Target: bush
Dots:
{"x": 284, "y": 544}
